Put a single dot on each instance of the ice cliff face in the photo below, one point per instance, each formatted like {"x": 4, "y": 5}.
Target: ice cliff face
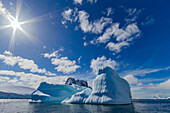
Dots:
{"x": 108, "y": 88}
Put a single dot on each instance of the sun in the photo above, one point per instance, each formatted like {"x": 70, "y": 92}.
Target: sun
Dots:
{"x": 15, "y": 24}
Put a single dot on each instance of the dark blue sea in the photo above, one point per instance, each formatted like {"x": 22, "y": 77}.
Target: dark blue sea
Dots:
{"x": 138, "y": 106}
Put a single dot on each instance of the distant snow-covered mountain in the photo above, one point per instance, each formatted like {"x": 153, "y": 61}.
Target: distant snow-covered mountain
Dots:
{"x": 13, "y": 91}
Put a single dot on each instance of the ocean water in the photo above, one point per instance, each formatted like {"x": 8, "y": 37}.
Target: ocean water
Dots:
{"x": 138, "y": 106}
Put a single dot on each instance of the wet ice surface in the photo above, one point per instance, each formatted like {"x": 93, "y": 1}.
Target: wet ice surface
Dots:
{"x": 138, "y": 106}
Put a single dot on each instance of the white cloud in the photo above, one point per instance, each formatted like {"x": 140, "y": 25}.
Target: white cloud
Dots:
{"x": 4, "y": 12}
{"x": 85, "y": 25}
{"x": 102, "y": 62}
{"x": 83, "y": 18}
{"x": 160, "y": 90}
{"x": 78, "y": 2}
{"x": 162, "y": 85}
{"x": 92, "y": 1}
{"x": 109, "y": 11}
{"x": 108, "y": 33}
{"x": 79, "y": 59}
{"x": 81, "y": 1}
{"x": 143, "y": 72}
{"x": 23, "y": 63}
{"x": 99, "y": 25}
{"x": 131, "y": 30}
{"x": 4, "y": 79}
{"x": 85, "y": 44}
{"x": 93, "y": 27}
{"x": 29, "y": 79}
{"x": 116, "y": 47}
{"x": 131, "y": 79}
{"x": 147, "y": 88}
{"x": 67, "y": 14}
{"x": 7, "y": 53}
{"x": 63, "y": 63}
{"x": 53, "y": 54}
{"x": 123, "y": 36}
{"x": 44, "y": 47}
{"x": 133, "y": 14}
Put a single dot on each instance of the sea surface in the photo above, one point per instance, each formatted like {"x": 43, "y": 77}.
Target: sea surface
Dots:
{"x": 138, "y": 106}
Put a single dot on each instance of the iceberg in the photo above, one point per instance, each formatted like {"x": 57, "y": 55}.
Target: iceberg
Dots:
{"x": 108, "y": 88}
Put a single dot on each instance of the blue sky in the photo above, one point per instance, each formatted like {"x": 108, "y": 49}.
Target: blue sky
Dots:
{"x": 58, "y": 39}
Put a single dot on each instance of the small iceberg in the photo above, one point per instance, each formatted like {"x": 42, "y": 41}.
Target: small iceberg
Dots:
{"x": 108, "y": 88}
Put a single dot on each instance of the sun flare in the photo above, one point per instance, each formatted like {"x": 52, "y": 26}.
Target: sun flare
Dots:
{"x": 15, "y": 24}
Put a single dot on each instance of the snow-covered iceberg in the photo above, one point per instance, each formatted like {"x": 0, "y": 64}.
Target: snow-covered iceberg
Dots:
{"x": 108, "y": 88}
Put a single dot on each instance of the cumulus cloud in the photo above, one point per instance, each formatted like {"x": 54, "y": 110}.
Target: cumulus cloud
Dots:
{"x": 67, "y": 14}
{"x": 78, "y": 2}
{"x": 99, "y": 25}
{"x": 7, "y": 53}
{"x": 81, "y": 1}
{"x": 8, "y": 58}
{"x": 53, "y": 54}
{"x": 85, "y": 25}
{"x": 108, "y": 33}
{"x": 4, "y": 79}
{"x": 123, "y": 36}
{"x": 116, "y": 47}
{"x": 82, "y": 17}
{"x": 28, "y": 79}
{"x": 63, "y": 63}
{"x": 102, "y": 62}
